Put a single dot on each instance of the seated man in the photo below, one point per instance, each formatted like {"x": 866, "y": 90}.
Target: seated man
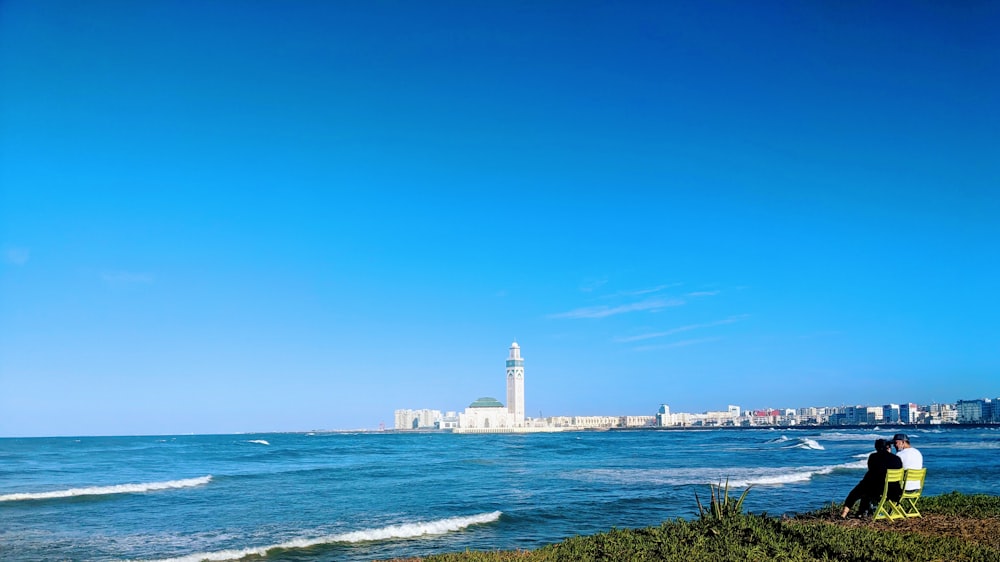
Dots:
{"x": 909, "y": 455}
{"x": 869, "y": 490}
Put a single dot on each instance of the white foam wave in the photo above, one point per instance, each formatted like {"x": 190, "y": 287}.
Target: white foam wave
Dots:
{"x": 737, "y": 476}
{"x": 775, "y": 480}
{"x": 781, "y": 439}
{"x": 404, "y": 531}
{"x": 840, "y": 436}
{"x": 258, "y": 441}
{"x": 966, "y": 444}
{"x": 807, "y": 444}
{"x": 790, "y": 476}
{"x": 105, "y": 490}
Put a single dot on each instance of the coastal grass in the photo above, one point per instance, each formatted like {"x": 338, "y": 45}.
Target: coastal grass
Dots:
{"x": 816, "y": 536}
{"x": 979, "y": 506}
{"x": 720, "y": 505}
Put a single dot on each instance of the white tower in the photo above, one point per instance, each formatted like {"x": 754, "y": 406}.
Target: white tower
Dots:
{"x": 515, "y": 384}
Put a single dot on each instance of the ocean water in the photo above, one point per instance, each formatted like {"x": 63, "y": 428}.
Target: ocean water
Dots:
{"x": 349, "y": 497}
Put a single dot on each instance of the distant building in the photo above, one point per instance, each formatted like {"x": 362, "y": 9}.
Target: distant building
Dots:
{"x": 890, "y": 413}
{"x": 729, "y": 417}
{"x": 855, "y": 415}
{"x": 942, "y": 413}
{"x": 637, "y": 421}
{"x": 873, "y": 415}
{"x": 767, "y": 416}
{"x": 559, "y": 421}
{"x": 663, "y": 416}
{"x": 595, "y": 422}
{"x": 812, "y": 415}
{"x": 418, "y": 419}
{"x": 974, "y": 411}
{"x": 449, "y": 421}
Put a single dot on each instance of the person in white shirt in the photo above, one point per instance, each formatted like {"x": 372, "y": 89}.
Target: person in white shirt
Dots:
{"x": 910, "y": 456}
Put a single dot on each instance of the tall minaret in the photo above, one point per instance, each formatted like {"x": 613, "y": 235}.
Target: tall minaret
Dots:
{"x": 515, "y": 384}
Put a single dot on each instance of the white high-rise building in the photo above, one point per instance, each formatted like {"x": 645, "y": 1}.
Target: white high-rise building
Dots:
{"x": 515, "y": 384}
{"x": 418, "y": 419}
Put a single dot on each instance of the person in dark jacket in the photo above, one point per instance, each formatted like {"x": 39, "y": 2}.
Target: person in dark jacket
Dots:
{"x": 869, "y": 490}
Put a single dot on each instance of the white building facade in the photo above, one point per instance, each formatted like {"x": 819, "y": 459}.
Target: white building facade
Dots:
{"x": 973, "y": 411}
{"x": 485, "y": 415}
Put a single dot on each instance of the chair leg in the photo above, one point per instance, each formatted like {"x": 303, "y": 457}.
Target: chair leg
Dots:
{"x": 911, "y": 509}
{"x": 897, "y": 511}
{"x": 884, "y": 510}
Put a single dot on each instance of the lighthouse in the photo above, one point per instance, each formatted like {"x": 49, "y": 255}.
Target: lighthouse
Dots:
{"x": 515, "y": 384}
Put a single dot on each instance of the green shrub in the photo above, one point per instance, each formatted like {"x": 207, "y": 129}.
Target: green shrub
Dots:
{"x": 955, "y": 503}
{"x": 866, "y": 544}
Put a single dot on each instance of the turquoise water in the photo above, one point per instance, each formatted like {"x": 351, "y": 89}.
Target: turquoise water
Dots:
{"x": 325, "y": 496}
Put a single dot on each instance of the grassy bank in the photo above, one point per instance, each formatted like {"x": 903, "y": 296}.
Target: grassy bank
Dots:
{"x": 955, "y": 527}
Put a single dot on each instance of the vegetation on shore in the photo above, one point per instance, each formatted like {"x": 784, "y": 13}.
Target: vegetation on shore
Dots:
{"x": 954, "y": 527}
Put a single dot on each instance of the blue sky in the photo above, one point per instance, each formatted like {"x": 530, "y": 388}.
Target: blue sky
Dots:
{"x": 256, "y": 216}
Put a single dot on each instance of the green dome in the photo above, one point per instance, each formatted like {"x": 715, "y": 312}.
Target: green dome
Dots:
{"x": 486, "y": 402}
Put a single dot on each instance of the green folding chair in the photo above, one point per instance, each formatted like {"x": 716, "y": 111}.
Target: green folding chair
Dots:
{"x": 908, "y": 503}
{"x": 888, "y": 509}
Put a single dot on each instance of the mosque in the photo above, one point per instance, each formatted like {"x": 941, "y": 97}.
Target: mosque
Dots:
{"x": 488, "y": 415}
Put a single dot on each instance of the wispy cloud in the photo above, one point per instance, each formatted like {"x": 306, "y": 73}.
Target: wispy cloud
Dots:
{"x": 640, "y": 292}
{"x": 16, "y": 256}
{"x": 703, "y": 293}
{"x": 126, "y": 277}
{"x": 682, "y": 343}
{"x": 689, "y": 327}
{"x": 648, "y": 305}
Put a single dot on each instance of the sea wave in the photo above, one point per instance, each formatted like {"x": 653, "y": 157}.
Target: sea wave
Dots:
{"x": 841, "y": 436}
{"x": 259, "y": 441}
{"x": 806, "y": 443}
{"x": 797, "y": 443}
{"x": 791, "y": 475}
{"x": 965, "y": 445}
{"x": 106, "y": 490}
{"x": 403, "y": 531}
{"x": 736, "y": 476}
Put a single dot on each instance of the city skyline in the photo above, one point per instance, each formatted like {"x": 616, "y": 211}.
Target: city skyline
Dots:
{"x": 232, "y": 217}
{"x": 961, "y": 411}
{"x": 488, "y": 415}
{"x": 513, "y": 414}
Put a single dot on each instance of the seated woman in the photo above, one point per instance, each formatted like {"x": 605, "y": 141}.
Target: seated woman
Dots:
{"x": 869, "y": 490}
